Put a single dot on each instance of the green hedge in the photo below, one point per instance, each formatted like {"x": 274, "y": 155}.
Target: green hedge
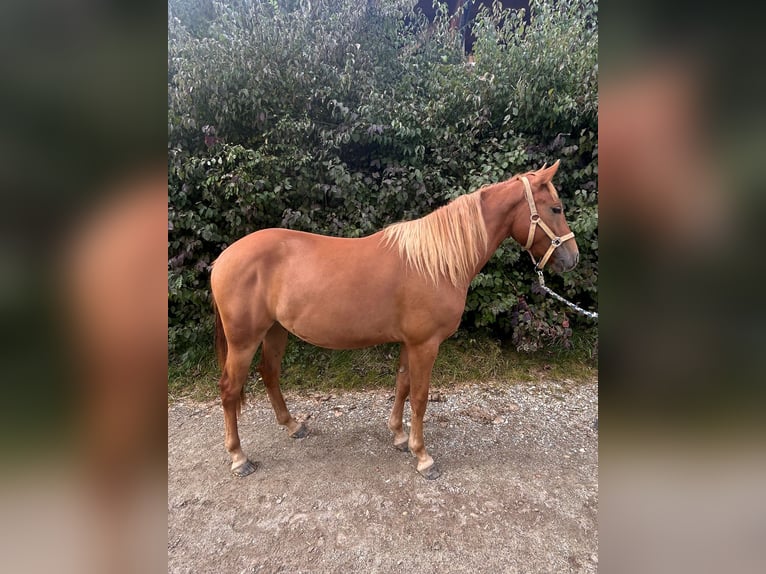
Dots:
{"x": 340, "y": 117}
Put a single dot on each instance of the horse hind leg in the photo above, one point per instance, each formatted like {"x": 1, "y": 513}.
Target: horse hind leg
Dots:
{"x": 270, "y": 367}
{"x": 232, "y": 386}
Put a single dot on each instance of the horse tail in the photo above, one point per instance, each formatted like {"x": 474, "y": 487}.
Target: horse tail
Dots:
{"x": 221, "y": 351}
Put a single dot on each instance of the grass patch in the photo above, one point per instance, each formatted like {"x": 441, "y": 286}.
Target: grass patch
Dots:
{"x": 462, "y": 358}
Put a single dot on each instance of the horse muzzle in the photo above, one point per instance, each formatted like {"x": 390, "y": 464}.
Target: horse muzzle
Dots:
{"x": 564, "y": 261}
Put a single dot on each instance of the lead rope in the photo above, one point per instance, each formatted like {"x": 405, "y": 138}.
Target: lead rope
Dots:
{"x": 589, "y": 314}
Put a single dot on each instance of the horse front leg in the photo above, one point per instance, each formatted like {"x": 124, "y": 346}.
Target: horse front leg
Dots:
{"x": 402, "y": 392}
{"x": 421, "y": 362}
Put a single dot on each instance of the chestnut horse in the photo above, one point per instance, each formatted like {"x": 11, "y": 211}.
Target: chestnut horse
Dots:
{"x": 407, "y": 284}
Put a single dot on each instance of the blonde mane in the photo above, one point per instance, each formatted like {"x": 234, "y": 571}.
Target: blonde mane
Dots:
{"x": 447, "y": 243}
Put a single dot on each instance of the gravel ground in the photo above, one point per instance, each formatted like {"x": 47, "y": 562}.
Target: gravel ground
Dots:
{"x": 518, "y": 493}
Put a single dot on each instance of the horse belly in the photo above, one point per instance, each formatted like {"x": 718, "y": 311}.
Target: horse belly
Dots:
{"x": 342, "y": 320}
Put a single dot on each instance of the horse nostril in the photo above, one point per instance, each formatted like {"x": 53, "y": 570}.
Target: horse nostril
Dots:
{"x": 575, "y": 260}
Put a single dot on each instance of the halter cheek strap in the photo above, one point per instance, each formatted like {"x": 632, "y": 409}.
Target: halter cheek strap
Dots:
{"x": 535, "y": 220}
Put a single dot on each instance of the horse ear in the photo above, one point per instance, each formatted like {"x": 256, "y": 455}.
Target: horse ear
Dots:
{"x": 546, "y": 174}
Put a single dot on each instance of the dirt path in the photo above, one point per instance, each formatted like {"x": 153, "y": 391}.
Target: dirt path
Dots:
{"x": 519, "y": 490}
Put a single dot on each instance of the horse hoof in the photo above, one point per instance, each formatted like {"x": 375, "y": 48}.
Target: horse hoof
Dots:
{"x": 302, "y": 432}
{"x": 431, "y": 473}
{"x": 402, "y": 446}
{"x": 244, "y": 469}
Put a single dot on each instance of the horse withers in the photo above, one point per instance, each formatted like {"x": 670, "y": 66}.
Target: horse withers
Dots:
{"x": 407, "y": 284}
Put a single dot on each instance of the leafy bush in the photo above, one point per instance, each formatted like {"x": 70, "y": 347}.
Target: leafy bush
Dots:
{"x": 340, "y": 117}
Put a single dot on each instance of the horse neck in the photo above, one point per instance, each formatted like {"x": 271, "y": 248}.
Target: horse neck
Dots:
{"x": 502, "y": 204}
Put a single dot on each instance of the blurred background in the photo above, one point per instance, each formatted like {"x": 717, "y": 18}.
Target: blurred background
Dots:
{"x": 682, "y": 389}
{"x": 83, "y": 294}
{"x": 83, "y": 286}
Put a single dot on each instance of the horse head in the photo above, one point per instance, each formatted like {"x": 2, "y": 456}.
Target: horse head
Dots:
{"x": 544, "y": 232}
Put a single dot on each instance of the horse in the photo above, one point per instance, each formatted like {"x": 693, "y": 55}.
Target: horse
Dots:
{"x": 405, "y": 284}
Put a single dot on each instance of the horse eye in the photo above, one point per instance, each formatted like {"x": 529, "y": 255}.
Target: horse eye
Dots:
{"x": 556, "y": 209}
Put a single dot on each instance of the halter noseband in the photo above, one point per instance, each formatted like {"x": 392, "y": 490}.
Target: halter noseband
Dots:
{"x": 535, "y": 220}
